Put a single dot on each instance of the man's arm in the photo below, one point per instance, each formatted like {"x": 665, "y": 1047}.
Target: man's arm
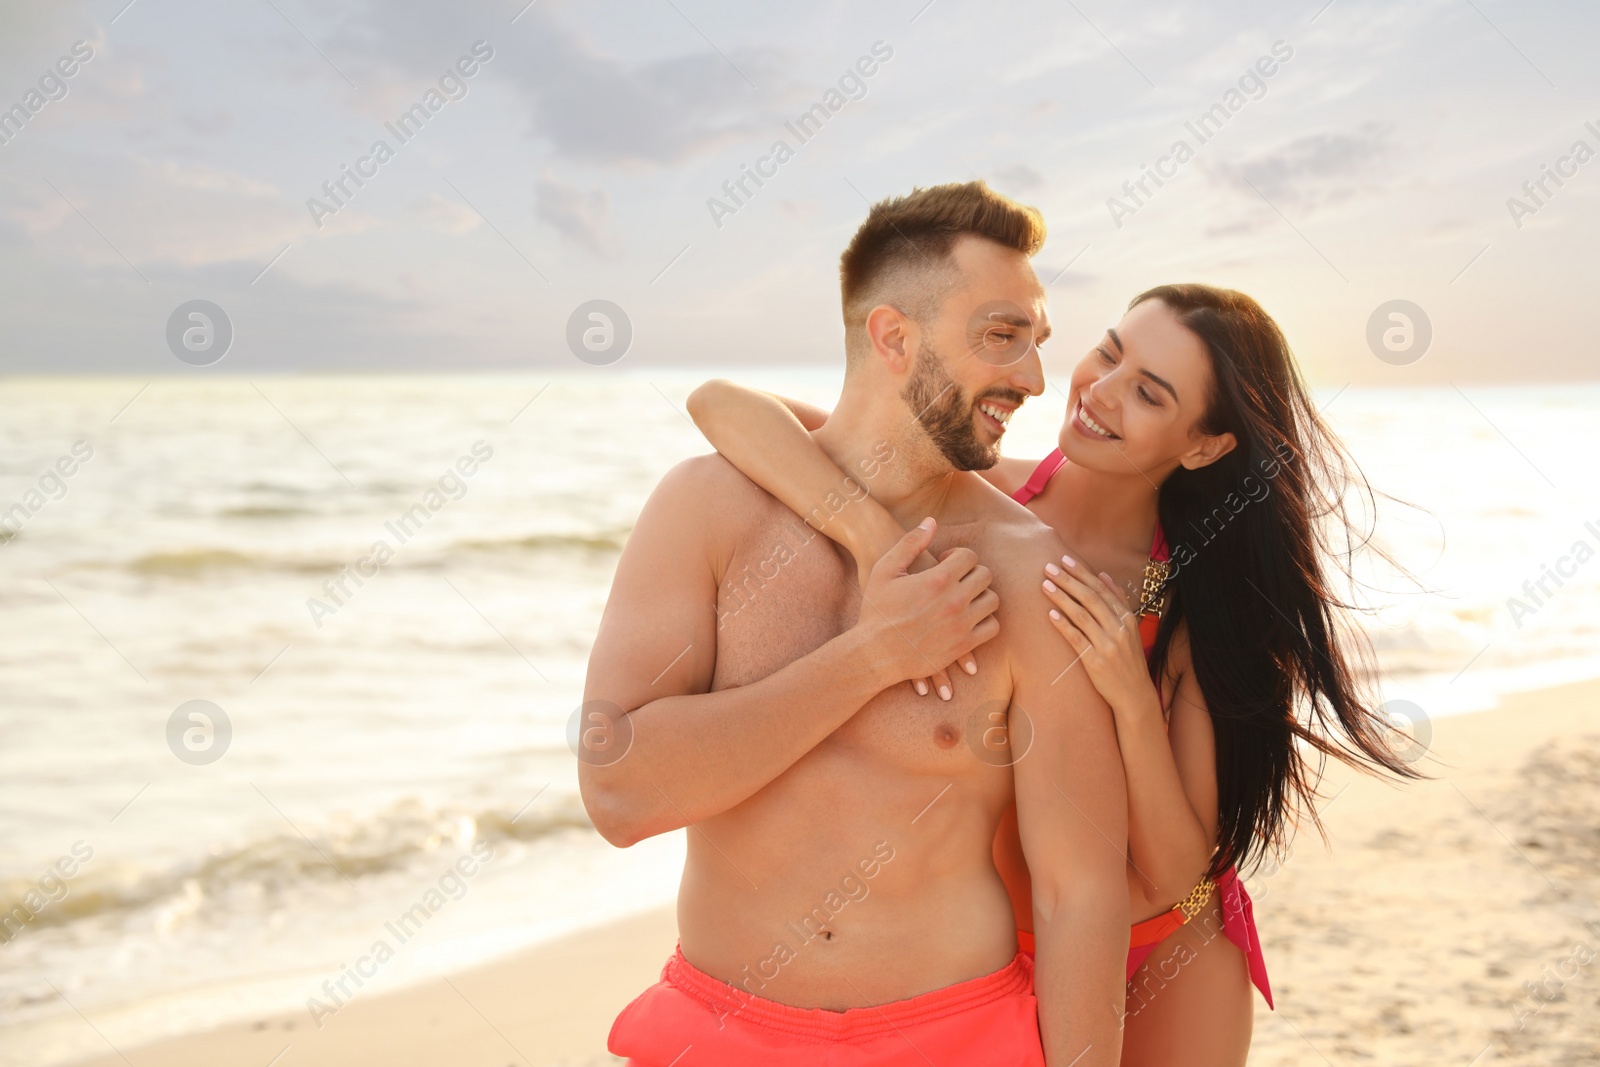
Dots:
{"x": 687, "y": 753}
{"x": 1072, "y": 816}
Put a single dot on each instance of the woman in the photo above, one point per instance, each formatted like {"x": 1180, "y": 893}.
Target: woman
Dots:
{"x": 1226, "y": 664}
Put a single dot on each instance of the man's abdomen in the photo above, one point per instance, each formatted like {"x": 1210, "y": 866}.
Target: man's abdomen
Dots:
{"x": 849, "y": 882}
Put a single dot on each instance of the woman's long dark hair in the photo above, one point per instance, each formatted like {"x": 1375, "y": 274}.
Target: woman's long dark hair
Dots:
{"x": 1259, "y": 539}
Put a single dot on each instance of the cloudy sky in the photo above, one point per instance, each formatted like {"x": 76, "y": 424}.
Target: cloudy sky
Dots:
{"x": 585, "y": 158}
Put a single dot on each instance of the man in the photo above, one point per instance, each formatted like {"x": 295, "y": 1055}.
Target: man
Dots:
{"x": 839, "y": 901}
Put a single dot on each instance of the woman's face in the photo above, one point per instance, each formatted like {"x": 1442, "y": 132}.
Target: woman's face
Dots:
{"x": 1138, "y": 397}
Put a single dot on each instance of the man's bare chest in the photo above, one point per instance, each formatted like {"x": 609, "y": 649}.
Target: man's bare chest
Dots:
{"x": 788, "y": 591}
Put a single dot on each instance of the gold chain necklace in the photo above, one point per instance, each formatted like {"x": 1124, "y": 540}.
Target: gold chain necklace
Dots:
{"x": 1154, "y": 595}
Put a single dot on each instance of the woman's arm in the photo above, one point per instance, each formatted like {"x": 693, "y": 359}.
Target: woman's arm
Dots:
{"x": 1172, "y": 813}
{"x": 767, "y": 438}
{"x": 1171, "y": 771}
{"x": 809, "y": 415}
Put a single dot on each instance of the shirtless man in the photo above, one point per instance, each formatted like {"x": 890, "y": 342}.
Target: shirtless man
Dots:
{"x": 841, "y": 826}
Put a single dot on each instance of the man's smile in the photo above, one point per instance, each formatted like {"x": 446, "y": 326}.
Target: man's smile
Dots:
{"x": 997, "y": 415}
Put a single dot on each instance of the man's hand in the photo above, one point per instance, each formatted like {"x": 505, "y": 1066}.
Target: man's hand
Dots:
{"x": 919, "y": 623}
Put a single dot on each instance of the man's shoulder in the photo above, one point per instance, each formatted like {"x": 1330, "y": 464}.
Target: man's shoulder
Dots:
{"x": 687, "y": 475}
{"x": 707, "y": 494}
{"x": 701, "y": 480}
{"x": 1016, "y": 547}
{"x": 1013, "y": 534}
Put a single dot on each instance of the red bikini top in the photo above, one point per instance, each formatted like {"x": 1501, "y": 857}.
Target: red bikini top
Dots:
{"x": 1149, "y": 621}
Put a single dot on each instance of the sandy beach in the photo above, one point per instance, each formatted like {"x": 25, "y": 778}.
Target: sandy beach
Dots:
{"x": 1448, "y": 921}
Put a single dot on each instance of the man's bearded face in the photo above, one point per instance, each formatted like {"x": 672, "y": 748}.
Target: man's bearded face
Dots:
{"x": 946, "y": 414}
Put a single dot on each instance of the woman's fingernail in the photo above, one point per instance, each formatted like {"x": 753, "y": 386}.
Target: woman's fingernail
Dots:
{"x": 1051, "y": 568}
{"x": 1050, "y": 587}
{"x": 922, "y": 687}
{"x": 1069, "y": 561}
{"x": 944, "y": 692}
{"x": 1054, "y": 614}
{"x": 971, "y": 666}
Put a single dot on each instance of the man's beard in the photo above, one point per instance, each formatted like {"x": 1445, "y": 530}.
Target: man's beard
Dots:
{"x": 946, "y": 415}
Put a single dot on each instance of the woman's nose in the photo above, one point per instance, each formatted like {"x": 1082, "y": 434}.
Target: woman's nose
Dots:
{"x": 1101, "y": 391}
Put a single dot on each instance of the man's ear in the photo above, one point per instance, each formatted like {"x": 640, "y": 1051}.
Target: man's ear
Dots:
{"x": 1211, "y": 448}
{"x": 892, "y": 338}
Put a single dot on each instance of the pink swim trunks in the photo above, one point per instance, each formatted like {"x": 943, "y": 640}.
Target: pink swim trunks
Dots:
{"x": 690, "y": 1019}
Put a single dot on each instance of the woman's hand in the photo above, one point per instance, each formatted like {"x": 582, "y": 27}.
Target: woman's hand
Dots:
{"x": 1100, "y": 626}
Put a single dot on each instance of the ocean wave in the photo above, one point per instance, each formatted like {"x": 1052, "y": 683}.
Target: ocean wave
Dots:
{"x": 264, "y": 511}
{"x": 274, "y": 866}
{"x": 277, "y": 488}
{"x": 603, "y": 540}
{"x": 190, "y": 562}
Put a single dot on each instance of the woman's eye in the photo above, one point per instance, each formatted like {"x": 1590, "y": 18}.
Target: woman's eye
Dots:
{"x": 1148, "y": 397}
{"x": 1105, "y": 355}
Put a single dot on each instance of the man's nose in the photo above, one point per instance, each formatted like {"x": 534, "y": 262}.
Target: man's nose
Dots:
{"x": 1027, "y": 374}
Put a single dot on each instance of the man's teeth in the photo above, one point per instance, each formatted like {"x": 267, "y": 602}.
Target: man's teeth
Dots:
{"x": 1083, "y": 417}
{"x": 1001, "y": 415}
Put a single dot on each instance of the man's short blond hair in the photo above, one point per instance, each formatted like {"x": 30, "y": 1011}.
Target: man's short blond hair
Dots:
{"x": 901, "y": 255}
